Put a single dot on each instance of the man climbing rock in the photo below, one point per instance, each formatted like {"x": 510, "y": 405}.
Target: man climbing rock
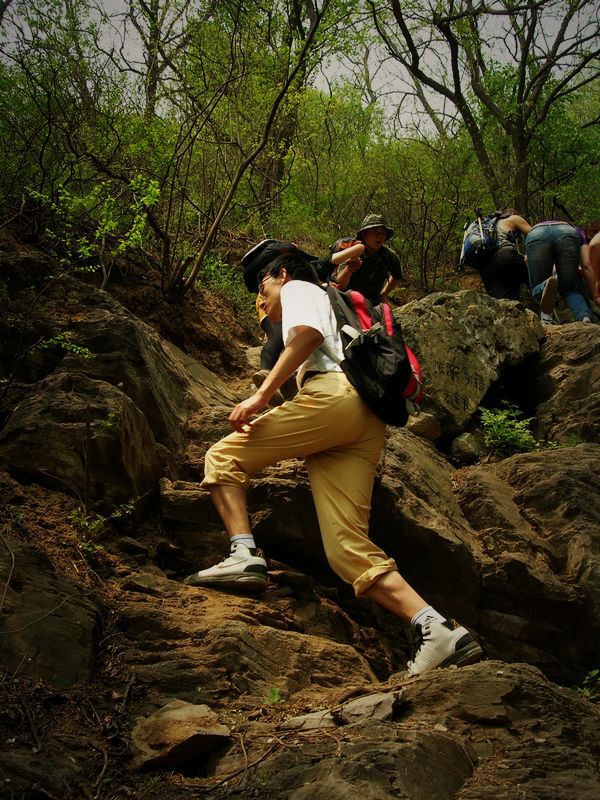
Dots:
{"x": 341, "y": 439}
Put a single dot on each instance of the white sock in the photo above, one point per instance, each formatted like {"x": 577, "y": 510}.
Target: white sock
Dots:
{"x": 243, "y": 538}
{"x": 425, "y": 615}
{"x": 545, "y": 317}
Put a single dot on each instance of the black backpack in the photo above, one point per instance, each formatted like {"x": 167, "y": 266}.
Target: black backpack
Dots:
{"x": 382, "y": 369}
{"x": 480, "y": 240}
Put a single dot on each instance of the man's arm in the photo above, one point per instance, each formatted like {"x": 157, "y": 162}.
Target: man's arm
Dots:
{"x": 342, "y": 277}
{"x": 348, "y": 261}
{"x": 304, "y": 342}
{"x": 590, "y": 267}
{"x": 518, "y": 223}
{"x": 390, "y": 284}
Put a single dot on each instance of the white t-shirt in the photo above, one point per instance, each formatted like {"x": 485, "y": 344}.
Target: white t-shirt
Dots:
{"x": 304, "y": 303}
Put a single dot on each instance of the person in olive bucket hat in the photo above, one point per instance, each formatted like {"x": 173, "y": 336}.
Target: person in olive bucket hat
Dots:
{"x": 378, "y": 271}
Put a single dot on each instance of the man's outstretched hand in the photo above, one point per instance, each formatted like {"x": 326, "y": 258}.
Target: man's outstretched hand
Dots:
{"x": 244, "y": 411}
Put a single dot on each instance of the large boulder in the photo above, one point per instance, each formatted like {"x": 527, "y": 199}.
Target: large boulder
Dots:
{"x": 84, "y": 436}
{"x": 48, "y": 627}
{"x": 564, "y": 385}
{"x": 164, "y": 383}
{"x": 536, "y": 519}
{"x": 465, "y": 341}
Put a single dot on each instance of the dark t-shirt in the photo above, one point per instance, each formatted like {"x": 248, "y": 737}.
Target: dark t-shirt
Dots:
{"x": 372, "y": 276}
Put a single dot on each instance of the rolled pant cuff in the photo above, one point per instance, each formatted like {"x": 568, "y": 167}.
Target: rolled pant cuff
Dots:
{"x": 370, "y": 576}
{"x": 225, "y": 479}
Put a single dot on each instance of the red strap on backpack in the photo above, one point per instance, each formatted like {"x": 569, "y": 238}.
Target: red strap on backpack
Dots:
{"x": 361, "y": 309}
{"x": 414, "y": 390}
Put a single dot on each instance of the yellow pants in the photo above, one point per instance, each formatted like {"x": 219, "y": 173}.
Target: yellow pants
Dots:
{"x": 340, "y": 439}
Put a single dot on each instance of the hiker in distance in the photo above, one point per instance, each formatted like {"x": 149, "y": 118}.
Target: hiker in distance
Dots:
{"x": 590, "y": 262}
{"x": 504, "y": 270}
{"x": 554, "y": 245}
{"x": 378, "y": 271}
{"x": 340, "y": 439}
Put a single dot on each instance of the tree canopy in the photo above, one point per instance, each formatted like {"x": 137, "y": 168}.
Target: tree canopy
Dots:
{"x": 163, "y": 127}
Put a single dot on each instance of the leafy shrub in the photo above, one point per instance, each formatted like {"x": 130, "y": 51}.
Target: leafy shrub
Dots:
{"x": 227, "y": 283}
{"x": 504, "y": 432}
{"x": 590, "y": 689}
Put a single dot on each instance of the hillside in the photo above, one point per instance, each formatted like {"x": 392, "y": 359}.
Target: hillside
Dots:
{"x": 119, "y": 681}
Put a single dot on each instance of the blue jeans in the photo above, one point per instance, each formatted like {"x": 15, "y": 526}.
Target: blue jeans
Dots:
{"x": 557, "y": 245}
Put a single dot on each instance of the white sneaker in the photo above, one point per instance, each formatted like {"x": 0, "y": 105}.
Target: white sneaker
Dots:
{"x": 549, "y": 294}
{"x": 547, "y": 319}
{"x": 440, "y": 646}
{"x": 244, "y": 569}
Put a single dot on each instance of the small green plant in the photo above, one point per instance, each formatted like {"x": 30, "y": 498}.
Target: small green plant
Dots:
{"x": 89, "y": 550}
{"x": 87, "y": 526}
{"x": 274, "y": 696}
{"x": 590, "y": 688}
{"x": 575, "y": 439}
{"x": 504, "y": 432}
{"x": 65, "y": 342}
{"x": 124, "y": 512}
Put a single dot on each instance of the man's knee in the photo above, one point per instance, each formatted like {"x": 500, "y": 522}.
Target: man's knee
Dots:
{"x": 222, "y": 467}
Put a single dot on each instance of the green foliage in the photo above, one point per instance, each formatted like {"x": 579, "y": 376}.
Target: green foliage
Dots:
{"x": 112, "y": 156}
{"x": 99, "y": 224}
{"x": 65, "y": 342}
{"x": 87, "y": 528}
{"x": 590, "y": 688}
{"x": 90, "y": 551}
{"x": 227, "y": 283}
{"x": 124, "y": 512}
{"x": 504, "y": 432}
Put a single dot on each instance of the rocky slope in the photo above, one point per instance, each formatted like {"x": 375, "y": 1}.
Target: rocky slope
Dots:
{"x": 119, "y": 681}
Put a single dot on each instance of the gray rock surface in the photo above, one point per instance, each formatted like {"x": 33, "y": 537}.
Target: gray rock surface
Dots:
{"x": 464, "y": 341}
{"x": 179, "y": 736}
{"x": 48, "y": 627}
{"x": 509, "y": 548}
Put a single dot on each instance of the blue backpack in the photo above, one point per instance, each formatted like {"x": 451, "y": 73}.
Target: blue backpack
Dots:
{"x": 480, "y": 240}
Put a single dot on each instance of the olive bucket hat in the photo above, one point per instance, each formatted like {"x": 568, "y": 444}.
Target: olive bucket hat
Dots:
{"x": 375, "y": 221}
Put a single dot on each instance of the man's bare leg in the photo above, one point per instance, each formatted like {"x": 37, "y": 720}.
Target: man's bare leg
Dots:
{"x": 440, "y": 644}
{"x": 245, "y": 568}
{"x": 230, "y": 502}
{"x": 396, "y": 595}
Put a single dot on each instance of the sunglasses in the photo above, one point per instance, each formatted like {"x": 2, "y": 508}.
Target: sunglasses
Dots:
{"x": 262, "y": 278}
